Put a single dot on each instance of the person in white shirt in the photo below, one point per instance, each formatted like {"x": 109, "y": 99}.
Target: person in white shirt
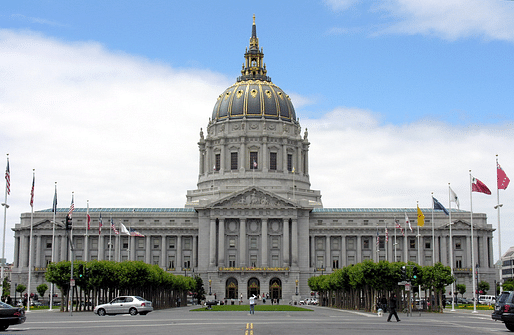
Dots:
{"x": 252, "y": 304}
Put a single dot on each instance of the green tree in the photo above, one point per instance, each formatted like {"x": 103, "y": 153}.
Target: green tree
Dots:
{"x": 6, "y": 287}
{"x": 21, "y": 288}
{"x": 483, "y": 286}
{"x": 508, "y": 285}
{"x": 461, "y": 288}
{"x": 199, "y": 290}
{"x": 41, "y": 289}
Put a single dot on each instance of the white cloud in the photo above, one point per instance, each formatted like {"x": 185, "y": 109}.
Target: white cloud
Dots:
{"x": 447, "y": 19}
{"x": 121, "y": 131}
{"x": 340, "y": 5}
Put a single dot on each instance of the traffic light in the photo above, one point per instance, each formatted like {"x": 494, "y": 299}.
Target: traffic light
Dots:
{"x": 415, "y": 272}
{"x": 403, "y": 273}
{"x": 81, "y": 270}
{"x": 68, "y": 222}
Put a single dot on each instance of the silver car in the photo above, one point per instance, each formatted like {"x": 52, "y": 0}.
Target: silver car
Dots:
{"x": 125, "y": 305}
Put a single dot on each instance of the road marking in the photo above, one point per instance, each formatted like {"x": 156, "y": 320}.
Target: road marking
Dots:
{"x": 249, "y": 329}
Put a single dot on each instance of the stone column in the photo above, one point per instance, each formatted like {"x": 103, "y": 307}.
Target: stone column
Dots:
{"x": 221, "y": 243}
{"x": 38, "y": 253}
{"x": 242, "y": 155}
{"x": 64, "y": 247}
{"x": 294, "y": 241}
{"x": 445, "y": 256}
{"x": 313, "y": 260}
{"x": 101, "y": 251}
{"x": 265, "y": 164}
{"x": 242, "y": 242}
{"x": 264, "y": 242}
{"x": 194, "y": 262}
{"x": 132, "y": 241}
{"x": 212, "y": 244}
{"x": 358, "y": 247}
{"x": 328, "y": 249}
{"x": 16, "y": 254}
{"x": 343, "y": 252}
{"x": 222, "y": 156}
{"x": 148, "y": 249}
{"x": 285, "y": 244}
{"x": 163, "y": 251}
{"x": 86, "y": 247}
{"x": 469, "y": 264}
{"x": 178, "y": 258}
{"x": 284, "y": 156}
{"x": 298, "y": 167}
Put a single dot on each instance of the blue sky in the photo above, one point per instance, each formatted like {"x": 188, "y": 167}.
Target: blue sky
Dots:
{"x": 107, "y": 98}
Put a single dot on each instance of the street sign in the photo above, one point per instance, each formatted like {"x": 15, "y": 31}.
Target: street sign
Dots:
{"x": 401, "y": 283}
{"x": 72, "y": 282}
{"x": 407, "y": 287}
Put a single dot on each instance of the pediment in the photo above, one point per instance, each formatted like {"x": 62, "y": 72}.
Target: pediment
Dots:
{"x": 45, "y": 224}
{"x": 252, "y": 197}
{"x": 459, "y": 224}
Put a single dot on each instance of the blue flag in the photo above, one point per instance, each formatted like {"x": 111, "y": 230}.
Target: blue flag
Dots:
{"x": 438, "y": 205}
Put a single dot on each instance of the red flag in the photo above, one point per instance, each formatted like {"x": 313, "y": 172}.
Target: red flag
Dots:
{"x": 478, "y": 186}
{"x": 503, "y": 180}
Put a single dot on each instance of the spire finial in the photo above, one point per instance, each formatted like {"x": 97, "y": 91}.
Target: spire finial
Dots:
{"x": 254, "y": 19}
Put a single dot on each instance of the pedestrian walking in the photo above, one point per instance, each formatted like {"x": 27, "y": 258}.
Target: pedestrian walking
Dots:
{"x": 392, "y": 308}
{"x": 252, "y": 304}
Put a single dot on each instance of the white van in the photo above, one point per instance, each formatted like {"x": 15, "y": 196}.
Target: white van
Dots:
{"x": 486, "y": 299}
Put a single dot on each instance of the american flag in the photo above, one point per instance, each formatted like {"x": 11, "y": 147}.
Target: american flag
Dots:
{"x": 387, "y": 235}
{"x": 133, "y": 232}
{"x": 254, "y": 164}
{"x": 8, "y": 178}
{"x": 100, "y": 224}
{"x": 399, "y": 226}
{"x": 72, "y": 206}
{"x": 32, "y": 191}
{"x": 114, "y": 228}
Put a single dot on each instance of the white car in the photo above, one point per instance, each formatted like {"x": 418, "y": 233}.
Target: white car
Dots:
{"x": 125, "y": 305}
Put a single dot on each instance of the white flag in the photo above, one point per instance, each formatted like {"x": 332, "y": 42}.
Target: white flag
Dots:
{"x": 454, "y": 198}
{"x": 124, "y": 229}
{"x": 408, "y": 222}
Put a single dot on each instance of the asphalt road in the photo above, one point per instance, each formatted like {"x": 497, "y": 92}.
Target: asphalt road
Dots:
{"x": 321, "y": 320}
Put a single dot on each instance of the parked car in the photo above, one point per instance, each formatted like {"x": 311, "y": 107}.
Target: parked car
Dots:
{"x": 10, "y": 315}
{"x": 504, "y": 309}
{"x": 125, "y": 305}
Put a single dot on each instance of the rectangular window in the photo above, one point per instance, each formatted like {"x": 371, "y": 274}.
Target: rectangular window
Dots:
{"x": 125, "y": 243}
{"x": 232, "y": 242}
{"x": 289, "y": 162}
{"x": 156, "y": 243}
{"x": 335, "y": 262}
{"x": 335, "y": 244}
{"x": 253, "y": 261}
{"x": 187, "y": 262}
{"x": 49, "y": 243}
{"x": 233, "y": 160}
{"x": 320, "y": 262}
{"x": 187, "y": 243}
{"x": 428, "y": 244}
{"x": 232, "y": 261}
{"x": 217, "y": 161}
{"x": 48, "y": 260}
{"x": 253, "y": 242}
{"x": 79, "y": 243}
{"x": 319, "y": 243}
{"x": 458, "y": 262}
{"x": 351, "y": 244}
{"x": 171, "y": 262}
{"x": 412, "y": 243}
{"x": 381, "y": 242}
{"x": 94, "y": 243}
{"x": 272, "y": 160}
{"x": 274, "y": 242}
{"x": 254, "y": 163}
{"x": 274, "y": 261}
{"x": 155, "y": 260}
{"x": 140, "y": 243}
{"x": 458, "y": 244}
{"x": 141, "y": 258}
{"x": 172, "y": 242}
{"x": 365, "y": 243}
{"x": 351, "y": 259}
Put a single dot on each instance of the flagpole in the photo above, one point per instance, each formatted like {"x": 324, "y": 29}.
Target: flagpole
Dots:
{"x": 395, "y": 243}
{"x": 110, "y": 234}
{"x": 7, "y": 190}
{"x": 472, "y": 244}
{"x": 433, "y": 232}
{"x": 498, "y": 205}
{"x": 418, "y": 236}
{"x": 405, "y": 244}
{"x": 86, "y": 242}
{"x": 451, "y": 245}
{"x": 30, "y": 239}
{"x": 54, "y": 210}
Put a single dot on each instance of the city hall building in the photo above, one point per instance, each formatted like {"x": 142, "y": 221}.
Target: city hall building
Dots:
{"x": 253, "y": 225}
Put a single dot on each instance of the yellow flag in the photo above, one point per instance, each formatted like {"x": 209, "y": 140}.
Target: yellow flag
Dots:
{"x": 421, "y": 218}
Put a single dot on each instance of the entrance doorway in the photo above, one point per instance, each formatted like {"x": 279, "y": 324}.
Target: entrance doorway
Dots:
{"x": 275, "y": 286}
{"x": 254, "y": 287}
{"x": 231, "y": 288}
